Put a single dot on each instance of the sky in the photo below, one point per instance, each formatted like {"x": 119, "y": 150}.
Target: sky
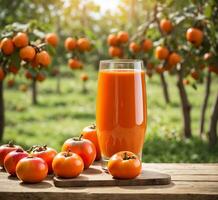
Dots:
{"x": 107, "y": 4}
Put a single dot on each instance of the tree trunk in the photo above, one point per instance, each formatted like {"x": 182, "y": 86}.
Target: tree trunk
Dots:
{"x": 58, "y": 87}
{"x": 165, "y": 88}
{"x": 34, "y": 92}
{"x": 186, "y": 107}
{"x": 205, "y": 103}
{"x": 2, "y": 111}
{"x": 213, "y": 124}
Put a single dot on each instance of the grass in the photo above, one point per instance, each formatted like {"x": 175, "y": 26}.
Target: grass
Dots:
{"x": 60, "y": 116}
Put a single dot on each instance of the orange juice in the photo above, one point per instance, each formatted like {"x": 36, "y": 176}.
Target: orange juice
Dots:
{"x": 121, "y": 111}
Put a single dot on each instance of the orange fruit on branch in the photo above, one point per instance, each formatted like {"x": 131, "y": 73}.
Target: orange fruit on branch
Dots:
{"x": 195, "y": 74}
{"x": 10, "y": 83}
{"x": 161, "y": 53}
{"x": 52, "y": 39}
{"x": 20, "y": 40}
{"x": 195, "y": 36}
{"x": 159, "y": 69}
{"x": 27, "y": 53}
{"x": 43, "y": 58}
{"x": 112, "y": 40}
{"x": 134, "y": 47}
{"x": 123, "y": 37}
{"x": 115, "y": 51}
{"x": 83, "y": 44}
{"x": 13, "y": 69}
{"x": 84, "y": 77}
{"x": 70, "y": 44}
{"x": 7, "y": 46}
{"x": 166, "y": 25}
{"x": 147, "y": 44}
{"x": 74, "y": 63}
{"x": 174, "y": 59}
{"x": 28, "y": 75}
{"x": 40, "y": 77}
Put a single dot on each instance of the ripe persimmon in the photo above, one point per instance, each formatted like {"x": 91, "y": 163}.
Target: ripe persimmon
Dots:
{"x": 43, "y": 58}
{"x": 13, "y": 69}
{"x": 28, "y": 75}
{"x": 20, "y": 40}
{"x": 10, "y": 83}
{"x": 70, "y": 44}
{"x": 83, "y": 44}
{"x": 123, "y": 37}
{"x": 74, "y": 63}
{"x": 84, "y": 77}
{"x": 115, "y": 51}
{"x": 40, "y": 77}
{"x": 213, "y": 69}
{"x": 147, "y": 45}
{"x": 161, "y": 52}
{"x": 166, "y": 25}
{"x": 134, "y": 47}
{"x": 7, "y": 46}
{"x": 185, "y": 82}
{"x": 195, "y": 36}
{"x": 174, "y": 59}
{"x": 52, "y": 39}
{"x": 23, "y": 87}
{"x": 159, "y": 69}
{"x": 112, "y": 40}
{"x": 27, "y": 53}
{"x": 194, "y": 74}
{"x": 2, "y": 74}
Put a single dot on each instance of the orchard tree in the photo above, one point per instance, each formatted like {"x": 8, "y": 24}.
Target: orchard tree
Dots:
{"x": 22, "y": 50}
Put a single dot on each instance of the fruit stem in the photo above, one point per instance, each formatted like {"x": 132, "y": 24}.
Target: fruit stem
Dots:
{"x": 93, "y": 126}
{"x": 127, "y": 157}
{"x": 11, "y": 143}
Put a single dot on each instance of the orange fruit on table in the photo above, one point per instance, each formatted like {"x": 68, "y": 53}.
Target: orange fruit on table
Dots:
{"x": 2, "y": 74}
{"x": 70, "y": 44}
{"x": 20, "y": 40}
{"x": 166, "y": 25}
{"x": 161, "y": 52}
{"x": 7, "y": 46}
{"x": 195, "y": 36}
{"x": 147, "y": 44}
{"x": 83, "y": 44}
{"x": 43, "y": 58}
{"x": 174, "y": 59}
{"x": 67, "y": 165}
{"x": 115, "y": 51}
{"x": 31, "y": 169}
{"x": 90, "y": 133}
{"x": 13, "y": 69}
{"x": 134, "y": 47}
{"x": 27, "y": 53}
{"x": 112, "y": 40}
{"x": 74, "y": 63}
{"x": 123, "y": 37}
{"x": 52, "y": 39}
{"x": 194, "y": 74}
{"x": 124, "y": 165}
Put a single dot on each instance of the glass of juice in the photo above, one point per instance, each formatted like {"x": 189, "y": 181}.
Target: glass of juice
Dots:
{"x": 121, "y": 109}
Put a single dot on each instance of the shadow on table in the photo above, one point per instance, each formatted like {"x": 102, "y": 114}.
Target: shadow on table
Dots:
{"x": 92, "y": 170}
{"x": 41, "y": 185}
{"x": 148, "y": 187}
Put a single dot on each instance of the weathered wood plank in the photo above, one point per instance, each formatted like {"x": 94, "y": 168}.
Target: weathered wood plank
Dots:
{"x": 195, "y": 187}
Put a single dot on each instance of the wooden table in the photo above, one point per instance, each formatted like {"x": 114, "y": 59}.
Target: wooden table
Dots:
{"x": 189, "y": 181}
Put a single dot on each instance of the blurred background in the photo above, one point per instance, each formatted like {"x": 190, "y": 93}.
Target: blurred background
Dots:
{"x": 66, "y": 100}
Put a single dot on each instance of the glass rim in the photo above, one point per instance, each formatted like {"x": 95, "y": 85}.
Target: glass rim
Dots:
{"x": 119, "y": 61}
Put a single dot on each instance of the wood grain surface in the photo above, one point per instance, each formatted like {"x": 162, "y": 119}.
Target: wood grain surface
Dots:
{"x": 189, "y": 182}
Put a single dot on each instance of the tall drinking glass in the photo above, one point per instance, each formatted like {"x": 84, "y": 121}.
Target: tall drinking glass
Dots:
{"x": 121, "y": 109}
